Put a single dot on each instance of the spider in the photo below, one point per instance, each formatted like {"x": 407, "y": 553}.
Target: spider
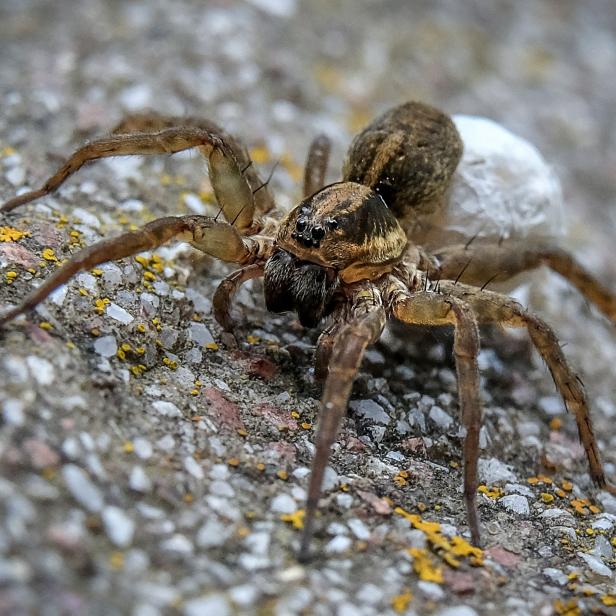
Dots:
{"x": 351, "y": 254}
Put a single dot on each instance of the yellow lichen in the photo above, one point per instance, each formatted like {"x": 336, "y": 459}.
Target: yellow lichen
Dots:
{"x": 46, "y": 325}
{"x": 493, "y": 493}
{"x": 211, "y": 346}
{"x": 423, "y": 566}
{"x": 101, "y": 303}
{"x": 233, "y": 462}
{"x": 282, "y": 474}
{"x": 128, "y": 447}
{"x": 49, "y": 255}
{"x": 547, "y": 498}
{"x": 567, "y": 608}
{"x": 608, "y": 600}
{"x": 296, "y": 519}
{"x": 10, "y": 234}
{"x": 253, "y": 339}
{"x": 401, "y": 602}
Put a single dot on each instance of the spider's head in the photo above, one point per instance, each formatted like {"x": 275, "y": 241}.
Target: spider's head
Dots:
{"x": 340, "y": 235}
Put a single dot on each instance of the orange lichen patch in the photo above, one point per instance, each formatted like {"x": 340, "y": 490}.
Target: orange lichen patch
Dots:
{"x": 450, "y": 550}
{"x": 556, "y": 423}
{"x": 296, "y": 519}
{"x": 233, "y": 462}
{"x": 539, "y": 480}
{"x": 10, "y": 234}
{"x": 401, "y": 602}
{"x": 583, "y": 506}
{"x": 306, "y": 425}
{"x": 424, "y": 566}
{"x": 344, "y": 487}
{"x": 567, "y": 608}
{"x": 400, "y": 480}
{"x": 560, "y": 493}
{"x": 566, "y": 485}
{"x": 49, "y": 255}
{"x": 260, "y": 467}
{"x": 494, "y": 492}
{"x": 282, "y": 474}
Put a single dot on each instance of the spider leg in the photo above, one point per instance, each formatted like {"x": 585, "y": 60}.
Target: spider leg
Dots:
{"x": 227, "y": 289}
{"x": 491, "y": 307}
{"x": 316, "y": 165}
{"x": 348, "y": 350}
{"x": 502, "y": 262}
{"x": 426, "y": 308}
{"x": 150, "y": 122}
{"x": 218, "y": 239}
{"x": 232, "y": 190}
{"x": 323, "y": 353}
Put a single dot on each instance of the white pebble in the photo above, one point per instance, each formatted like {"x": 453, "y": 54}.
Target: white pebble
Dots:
{"x": 166, "y": 409}
{"x": 139, "y": 480}
{"x": 492, "y": 470}
{"x": 118, "y": 526}
{"x": 440, "y": 418}
{"x": 13, "y": 412}
{"x": 213, "y": 533}
{"x": 556, "y": 576}
{"x": 41, "y": 370}
{"x": 370, "y": 410}
{"x": 283, "y": 503}
{"x": 16, "y": 176}
{"x": 359, "y": 529}
{"x": 106, "y": 346}
{"x": 213, "y": 604}
{"x": 83, "y": 490}
{"x": 143, "y": 449}
{"x": 179, "y": 544}
{"x": 200, "y": 334}
{"x": 460, "y": 610}
{"x": 338, "y": 544}
{"x": 515, "y": 503}
{"x": 598, "y": 566}
{"x": 193, "y": 467}
{"x": 431, "y": 590}
{"x": 119, "y": 314}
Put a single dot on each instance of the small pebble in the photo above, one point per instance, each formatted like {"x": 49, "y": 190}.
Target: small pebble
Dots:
{"x": 556, "y": 576}
{"x": 440, "y": 418}
{"x": 338, "y": 544}
{"x": 118, "y": 526}
{"x": 596, "y": 564}
{"x": 200, "y": 334}
{"x": 492, "y": 471}
{"x": 461, "y": 610}
{"x": 142, "y": 448}
{"x": 370, "y": 410}
{"x": 106, "y": 346}
{"x": 515, "y": 503}
{"x": 178, "y": 543}
{"x": 283, "y": 503}
{"x": 166, "y": 408}
{"x": 41, "y": 370}
{"x": 81, "y": 487}
{"x": 139, "y": 480}
{"x": 119, "y": 314}
{"x": 214, "y": 605}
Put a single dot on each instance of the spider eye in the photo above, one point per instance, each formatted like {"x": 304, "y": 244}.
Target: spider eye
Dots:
{"x": 331, "y": 223}
{"x": 318, "y": 233}
{"x": 300, "y": 225}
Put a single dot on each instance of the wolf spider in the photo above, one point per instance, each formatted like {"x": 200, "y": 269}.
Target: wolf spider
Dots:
{"x": 351, "y": 253}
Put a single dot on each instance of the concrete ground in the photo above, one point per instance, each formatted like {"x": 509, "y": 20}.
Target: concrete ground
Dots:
{"x": 149, "y": 468}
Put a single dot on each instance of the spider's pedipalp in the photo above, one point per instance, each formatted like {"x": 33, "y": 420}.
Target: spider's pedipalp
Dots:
{"x": 490, "y": 307}
{"x": 425, "y": 308}
{"x": 227, "y": 289}
{"x": 218, "y": 239}
{"x": 348, "y": 350}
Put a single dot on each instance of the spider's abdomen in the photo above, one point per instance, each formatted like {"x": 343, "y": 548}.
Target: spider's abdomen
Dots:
{"x": 408, "y": 156}
{"x": 346, "y": 227}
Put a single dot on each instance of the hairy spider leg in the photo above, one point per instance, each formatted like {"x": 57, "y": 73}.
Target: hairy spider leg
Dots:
{"x": 482, "y": 263}
{"x": 426, "y": 308}
{"x": 364, "y": 328}
{"x": 315, "y": 170}
{"x": 232, "y": 190}
{"x": 218, "y": 239}
{"x": 490, "y": 307}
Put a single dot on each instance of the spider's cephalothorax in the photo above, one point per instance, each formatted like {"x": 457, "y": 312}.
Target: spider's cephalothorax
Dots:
{"x": 342, "y": 234}
{"x": 350, "y": 251}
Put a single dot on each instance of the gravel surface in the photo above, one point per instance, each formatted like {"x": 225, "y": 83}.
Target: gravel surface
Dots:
{"x": 147, "y": 467}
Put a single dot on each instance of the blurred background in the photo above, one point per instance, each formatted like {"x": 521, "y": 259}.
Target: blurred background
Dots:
{"x": 275, "y": 73}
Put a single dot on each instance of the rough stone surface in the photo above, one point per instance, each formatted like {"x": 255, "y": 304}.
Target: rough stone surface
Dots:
{"x": 147, "y": 459}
